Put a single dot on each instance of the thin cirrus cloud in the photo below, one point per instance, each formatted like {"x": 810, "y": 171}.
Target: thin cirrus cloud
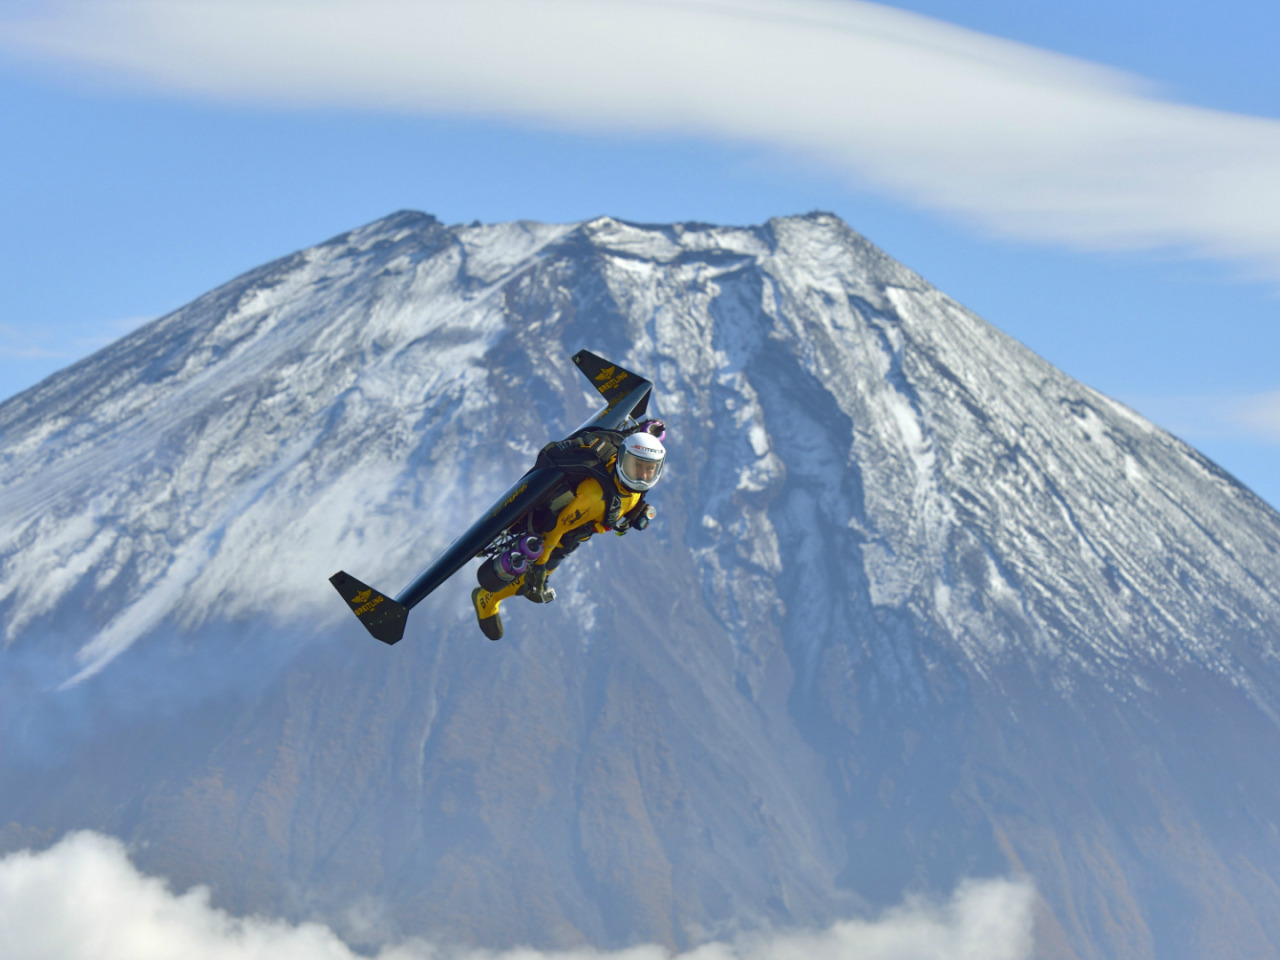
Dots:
{"x": 1248, "y": 417}
{"x": 1019, "y": 141}
{"x": 68, "y": 343}
{"x": 82, "y": 899}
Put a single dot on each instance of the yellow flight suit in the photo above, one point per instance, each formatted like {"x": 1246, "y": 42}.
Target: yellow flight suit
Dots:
{"x": 587, "y": 507}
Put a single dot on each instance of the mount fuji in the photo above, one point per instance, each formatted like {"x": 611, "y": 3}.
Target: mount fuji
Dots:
{"x": 917, "y": 607}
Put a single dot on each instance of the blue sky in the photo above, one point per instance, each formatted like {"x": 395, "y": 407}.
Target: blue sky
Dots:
{"x": 151, "y": 152}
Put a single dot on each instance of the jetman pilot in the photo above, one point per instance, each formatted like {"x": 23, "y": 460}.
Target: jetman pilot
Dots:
{"x": 609, "y": 474}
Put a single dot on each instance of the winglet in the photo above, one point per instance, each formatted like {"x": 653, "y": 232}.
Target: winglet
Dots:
{"x": 613, "y": 382}
{"x": 381, "y": 616}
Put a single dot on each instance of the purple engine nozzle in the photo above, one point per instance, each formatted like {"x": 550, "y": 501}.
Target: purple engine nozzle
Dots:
{"x": 530, "y": 546}
{"x": 512, "y": 564}
{"x": 655, "y": 428}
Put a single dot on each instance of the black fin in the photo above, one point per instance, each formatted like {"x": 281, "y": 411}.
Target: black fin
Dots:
{"x": 381, "y": 616}
{"x": 613, "y": 381}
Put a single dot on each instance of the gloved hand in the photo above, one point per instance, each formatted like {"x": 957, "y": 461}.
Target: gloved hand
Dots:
{"x": 535, "y": 585}
{"x": 647, "y": 514}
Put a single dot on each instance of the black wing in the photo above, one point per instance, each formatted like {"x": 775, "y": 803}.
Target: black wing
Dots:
{"x": 514, "y": 504}
{"x": 381, "y": 616}
{"x": 626, "y": 394}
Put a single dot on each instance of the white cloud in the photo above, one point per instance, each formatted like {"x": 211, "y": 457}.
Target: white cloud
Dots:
{"x": 1252, "y": 417}
{"x": 68, "y": 342}
{"x": 1259, "y": 415}
{"x": 1022, "y": 141}
{"x": 18, "y": 344}
{"x": 83, "y": 900}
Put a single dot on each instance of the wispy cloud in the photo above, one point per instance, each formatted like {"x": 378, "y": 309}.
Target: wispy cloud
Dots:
{"x": 1251, "y": 417}
{"x": 18, "y": 344}
{"x": 1259, "y": 414}
{"x": 1018, "y": 140}
{"x": 83, "y": 899}
{"x": 66, "y": 343}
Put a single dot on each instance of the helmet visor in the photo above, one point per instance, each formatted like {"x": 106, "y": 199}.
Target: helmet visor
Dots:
{"x": 636, "y": 473}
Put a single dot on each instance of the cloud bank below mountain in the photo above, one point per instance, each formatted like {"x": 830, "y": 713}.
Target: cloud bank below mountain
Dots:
{"x": 83, "y": 899}
{"x": 1017, "y": 140}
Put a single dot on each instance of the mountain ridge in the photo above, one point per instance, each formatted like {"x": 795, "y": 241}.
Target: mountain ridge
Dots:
{"x": 917, "y": 606}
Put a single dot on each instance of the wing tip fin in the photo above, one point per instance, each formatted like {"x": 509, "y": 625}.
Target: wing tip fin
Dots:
{"x": 381, "y": 616}
{"x": 610, "y": 379}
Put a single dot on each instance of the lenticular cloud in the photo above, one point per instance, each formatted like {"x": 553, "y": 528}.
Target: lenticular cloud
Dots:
{"x": 1019, "y": 140}
{"x": 83, "y": 900}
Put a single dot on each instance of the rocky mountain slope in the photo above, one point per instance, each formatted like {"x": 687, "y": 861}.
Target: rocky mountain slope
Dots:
{"x": 918, "y": 607}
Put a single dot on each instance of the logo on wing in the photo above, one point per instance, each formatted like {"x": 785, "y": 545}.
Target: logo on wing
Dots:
{"x": 512, "y": 499}
{"x": 606, "y": 373}
{"x": 366, "y": 607}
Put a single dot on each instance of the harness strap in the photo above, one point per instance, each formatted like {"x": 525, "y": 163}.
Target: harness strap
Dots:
{"x": 589, "y": 455}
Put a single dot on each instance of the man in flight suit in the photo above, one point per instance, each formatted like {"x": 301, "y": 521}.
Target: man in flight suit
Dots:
{"x": 609, "y": 482}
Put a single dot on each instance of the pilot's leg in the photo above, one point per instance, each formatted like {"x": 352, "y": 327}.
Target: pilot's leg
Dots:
{"x": 535, "y": 581}
{"x": 486, "y": 604}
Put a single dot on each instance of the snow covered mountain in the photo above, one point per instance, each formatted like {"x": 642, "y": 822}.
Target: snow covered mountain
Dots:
{"x": 917, "y": 607}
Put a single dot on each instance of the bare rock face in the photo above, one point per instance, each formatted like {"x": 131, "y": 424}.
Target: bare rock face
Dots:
{"x": 918, "y": 607}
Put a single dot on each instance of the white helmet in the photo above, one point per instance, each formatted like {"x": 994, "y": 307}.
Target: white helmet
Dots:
{"x": 640, "y": 461}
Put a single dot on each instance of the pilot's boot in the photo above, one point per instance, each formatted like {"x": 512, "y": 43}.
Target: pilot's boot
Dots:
{"x": 487, "y": 613}
{"x": 535, "y": 585}
{"x": 487, "y": 604}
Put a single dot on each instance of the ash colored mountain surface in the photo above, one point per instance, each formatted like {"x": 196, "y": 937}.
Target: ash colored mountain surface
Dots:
{"x": 918, "y": 607}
